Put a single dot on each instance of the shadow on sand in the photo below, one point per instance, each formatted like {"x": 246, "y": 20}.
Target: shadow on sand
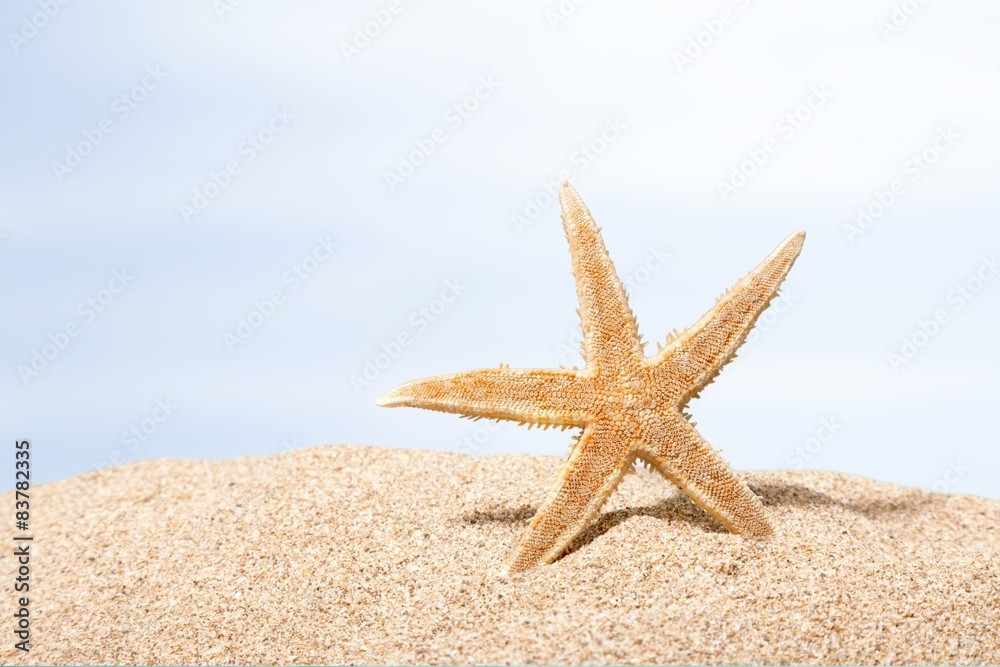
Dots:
{"x": 679, "y": 508}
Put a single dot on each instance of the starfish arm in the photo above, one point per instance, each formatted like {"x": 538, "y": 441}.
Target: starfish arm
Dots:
{"x": 536, "y": 396}
{"x": 696, "y": 356}
{"x": 610, "y": 335}
{"x": 590, "y": 474}
{"x": 678, "y": 451}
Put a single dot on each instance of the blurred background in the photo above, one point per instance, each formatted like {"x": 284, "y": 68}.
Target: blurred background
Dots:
{"x": 228, "y": 226}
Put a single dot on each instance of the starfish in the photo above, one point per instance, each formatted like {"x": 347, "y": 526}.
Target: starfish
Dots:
{"x": 630, "y": 407}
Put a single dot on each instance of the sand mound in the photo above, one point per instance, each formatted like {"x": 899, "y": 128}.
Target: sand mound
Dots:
{"x": 363, "y": 555}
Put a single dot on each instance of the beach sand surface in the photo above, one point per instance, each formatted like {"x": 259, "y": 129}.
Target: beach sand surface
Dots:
{"x": 361, "y": 555}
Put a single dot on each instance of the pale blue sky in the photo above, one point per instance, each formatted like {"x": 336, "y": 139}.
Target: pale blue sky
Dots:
{"x": 309, "y": 129}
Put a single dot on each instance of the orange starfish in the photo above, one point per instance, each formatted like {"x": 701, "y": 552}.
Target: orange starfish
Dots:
{"x": 629, "y": 406}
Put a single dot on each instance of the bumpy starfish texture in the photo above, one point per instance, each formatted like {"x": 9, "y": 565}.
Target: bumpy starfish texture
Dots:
{"x": 630, "y": 407}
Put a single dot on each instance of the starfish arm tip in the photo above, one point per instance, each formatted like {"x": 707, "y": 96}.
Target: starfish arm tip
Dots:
{"x": 569, "y": 198}
{"x": 391, "y": 399}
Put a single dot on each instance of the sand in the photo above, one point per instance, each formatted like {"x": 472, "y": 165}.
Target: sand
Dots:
{"x": 380, "y": 556}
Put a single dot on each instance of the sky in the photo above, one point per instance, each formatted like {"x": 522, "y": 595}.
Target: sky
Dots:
{"x": 227, "y": 227}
